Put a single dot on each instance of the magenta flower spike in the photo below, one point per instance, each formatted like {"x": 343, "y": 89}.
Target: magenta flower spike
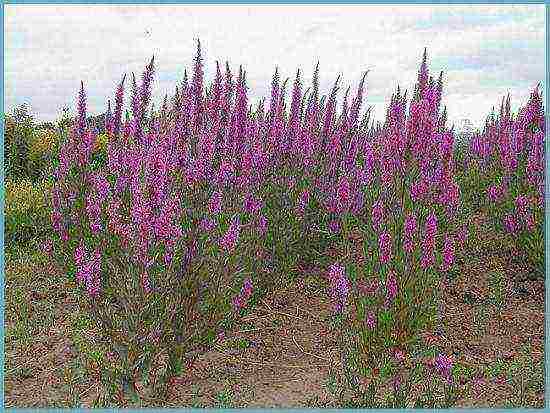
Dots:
{"x": 410, "y": 229}
{"x": 443, "y": 365}
{"x": 109, "y": 119}
{"x": 423, "y": 73}
{"x": 371, "y": 320}
{"x": 82, "y": 123}
{"x": 197, "y": 91}
{"x": 294, "y": 117}
{"x": 377, "y": 214}
{"x": 448, "y": 252}
{"x": 230, "y": 238}
{"x": 329, "y": 111}
{"x": 145, "y": 90}
{"x": 274, "y": 96}
{"x": 339, "y": 287}
{"x": 356, "y": 105}
{"x": 391, "y": 288}
{"x": 385, "y": 247}
{"x": 428, "y": 245}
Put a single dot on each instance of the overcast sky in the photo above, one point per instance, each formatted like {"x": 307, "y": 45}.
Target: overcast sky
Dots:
{"x": 485, "y": 51}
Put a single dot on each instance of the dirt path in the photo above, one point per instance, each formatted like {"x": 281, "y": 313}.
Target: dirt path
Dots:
{"x": 279, "y": 357}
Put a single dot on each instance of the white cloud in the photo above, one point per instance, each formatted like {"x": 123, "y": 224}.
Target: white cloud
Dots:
{"x": 49, "y": 49}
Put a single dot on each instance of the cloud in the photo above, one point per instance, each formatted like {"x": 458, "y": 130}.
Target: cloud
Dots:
{"x": 485, "y": 50}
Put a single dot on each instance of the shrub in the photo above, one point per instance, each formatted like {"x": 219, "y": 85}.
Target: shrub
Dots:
{"x": 27, "y": 213}
{"x": 42, "y": 152}
{"x": 508, "y": 165}
{"x": 176, "y": 221}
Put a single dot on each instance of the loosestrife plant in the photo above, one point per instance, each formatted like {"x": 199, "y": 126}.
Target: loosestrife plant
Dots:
{"x": 507, "y": 161}
{"x": 180, "y": 217}
{"x": 392, "y": 201}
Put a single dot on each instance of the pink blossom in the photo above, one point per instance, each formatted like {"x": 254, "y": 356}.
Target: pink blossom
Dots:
{"x": 443, "y": 365}
{"x": 230, "y": 238}
{"x": 385, "y": 247}
{"x": 371, "y": 320}
{"x": 339, "y": 287}
{"x": 448, "y": 253}
{"x": 377, "y": 214}
{"x": 391, "y": 288}
{"x": 428, "y": 246}
{"x": 214, "y": 206}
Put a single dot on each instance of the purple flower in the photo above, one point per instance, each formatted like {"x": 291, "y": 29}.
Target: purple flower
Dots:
{"x": 241, "y": 300}
{"x": 229, "y": 240}
{"x": 83, "y": 273}
{"x": 478, "y": 384}
{"x": 214, "y": 206}
{"x": 93, "y": 274}
{"x": 371, "y": 320}
{"x": 396, "y": 382}
{"x": 377, "y": 214}
{"x": 101, "y": 186}
{"x": 428, "y": 246}
{"x": 522, "y": 203}
{"x": 251, "y": 204}
{"x": 167, "y": 257}
{"x": 343, "y": 193}
{"x": 226, "y": 172}
{"x": 145, "y": 282}
{"x": 409, "y": 232}
{"x": 510, "y": 223}
{"x": 493, "y": 192}
{"x": 462, "y": 235}
{"x": 391, "y": 288}
{"x": 419, "y": 190}
{"x": 448, "y": 253}
{"x": 262, "y": 225}
{"x": 207, "y": 224}
{"x": 246, "y": 291}
{"x": 399, "y": 355}
{"x": 93, "y": 208}
{"x": 334, "y": 226}
{"x": 118, "y": 107}
{"x": 358, "y": 204}
{"x": 385, "y": 247}
{"x": 57, "y": 221}
{"x": 303, "y": 201}
{"x": 339, "y": 287}
{"x": 47, "y": 247}
{"x": 500, "y": 191}
{"x": 79, "y": 253}
{"x": 443, "y": 365}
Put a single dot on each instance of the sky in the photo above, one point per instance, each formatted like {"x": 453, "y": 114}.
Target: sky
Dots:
{"x": 485, "y": 51}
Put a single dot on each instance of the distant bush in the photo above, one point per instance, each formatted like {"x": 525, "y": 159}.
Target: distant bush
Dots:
{"x": 506, "y": 174}
{"x": 42, "y": 151}
{"x": 27, "y": 211}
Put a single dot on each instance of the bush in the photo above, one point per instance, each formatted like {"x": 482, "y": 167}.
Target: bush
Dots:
{"x": 508, "y": 166}
{"x": 174, "y": 223}
{"x": 27, "y": 213}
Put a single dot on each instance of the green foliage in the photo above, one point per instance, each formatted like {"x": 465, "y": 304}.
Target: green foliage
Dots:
{"x": 29, "y": 148}
{"x": 27, "y": 211}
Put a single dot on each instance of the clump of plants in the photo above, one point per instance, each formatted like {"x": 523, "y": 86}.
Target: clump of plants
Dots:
{"x": 507, "y": 166}
{"x": 393, "y": 207}
{"x": 174, "y": 221}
